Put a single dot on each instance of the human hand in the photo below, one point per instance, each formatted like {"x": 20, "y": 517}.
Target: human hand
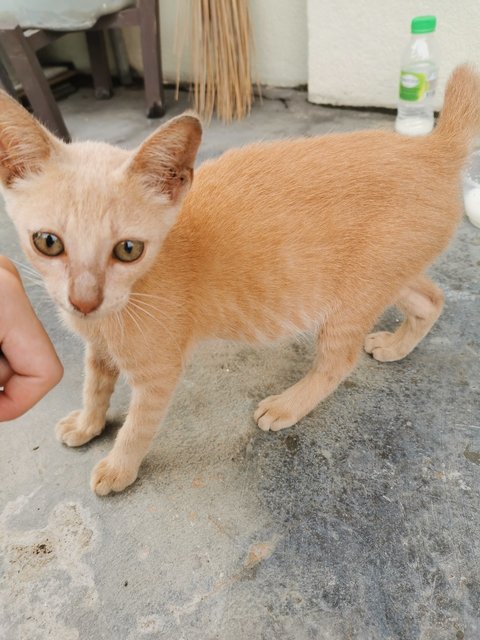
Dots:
{"x": 29, "y": 366}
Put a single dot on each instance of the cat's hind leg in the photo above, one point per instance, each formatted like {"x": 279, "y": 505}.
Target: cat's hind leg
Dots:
{"x": 339, "y": 343}
{"x": 421, "y": 302}
{"x": 80, "y": 427}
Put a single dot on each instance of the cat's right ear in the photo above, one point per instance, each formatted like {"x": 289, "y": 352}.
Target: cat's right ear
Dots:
{"x": 164, "y": 162}
{"x": 24, "y": 144}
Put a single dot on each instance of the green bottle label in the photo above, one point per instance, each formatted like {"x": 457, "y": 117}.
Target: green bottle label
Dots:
{"x": 413, "y": 86}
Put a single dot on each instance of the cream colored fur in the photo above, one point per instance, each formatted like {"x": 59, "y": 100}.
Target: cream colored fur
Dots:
{"x": 317, "y": 234}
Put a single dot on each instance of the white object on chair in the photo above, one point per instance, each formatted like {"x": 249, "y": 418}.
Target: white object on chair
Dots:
{"x": 58, "y": 15}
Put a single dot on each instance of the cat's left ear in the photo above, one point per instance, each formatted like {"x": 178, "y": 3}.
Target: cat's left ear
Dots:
{"x": 24, "y": 144}
{"x": 165, "y": 160}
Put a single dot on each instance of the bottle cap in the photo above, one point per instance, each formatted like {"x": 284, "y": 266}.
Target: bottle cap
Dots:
{"x": 424, "y": 24}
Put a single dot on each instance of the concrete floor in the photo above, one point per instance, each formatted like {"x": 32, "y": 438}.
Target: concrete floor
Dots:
{"x": 362, "y": 522}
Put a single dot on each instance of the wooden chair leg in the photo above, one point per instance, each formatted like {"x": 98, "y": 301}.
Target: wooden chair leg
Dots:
{"x": 97, "y": 51}
{"x": 29, "y": 72}
{"x": 149, "y": 17}
{"x": 5, "y": 81}
{"x": 121, "y": 57}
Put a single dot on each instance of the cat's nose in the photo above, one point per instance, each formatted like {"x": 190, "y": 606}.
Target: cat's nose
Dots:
{"x": 85, "y": 306}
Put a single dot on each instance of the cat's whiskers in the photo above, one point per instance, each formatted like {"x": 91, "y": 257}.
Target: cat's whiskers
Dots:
{"x": 32, "y": 275}
{"x": 136, "y": 296}
{"x": 25, "y": 267}
{"x": 150, "y": 306}
{"x": 162, "y": 312}
{"x": 118, "y": 321}
{"x": 166, "y": 301}
{"x": 21, "y": 264}
{"x": 36, "y": 290}
{"x": 39, "y": 298}
{"x": 134, "y": 353}
{"x": 146, "y": 295}
{"x": 29, "y": 276}
{"x": 141, "y": 306}
{"x": 130, "y": 313}
{"x": 137, "y": 305}
{"x": 139, "y": 322}
{"x": 31, "y": 280}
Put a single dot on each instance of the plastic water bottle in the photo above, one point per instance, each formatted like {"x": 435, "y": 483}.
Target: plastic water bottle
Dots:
{"x": 418, "y": 79}
{"x": 471, "y": 188}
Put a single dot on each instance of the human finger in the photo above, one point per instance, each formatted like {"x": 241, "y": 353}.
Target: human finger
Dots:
{"x": 6, "y": 371}
{"x": 7, "y": 264}
{"x": 27, "y": 349}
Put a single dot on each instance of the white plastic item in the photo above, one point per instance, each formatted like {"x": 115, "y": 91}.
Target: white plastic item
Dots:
{"x": 471, "y": 189}
{"x": 57, "y": 14}
{"x": 418, "y": 80}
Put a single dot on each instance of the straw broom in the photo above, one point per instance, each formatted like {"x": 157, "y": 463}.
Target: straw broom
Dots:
{"x": 221, "y": 60}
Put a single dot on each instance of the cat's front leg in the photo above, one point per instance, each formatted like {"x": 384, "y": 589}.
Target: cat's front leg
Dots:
{"x": 100, "y": 376}
{"x": 147, "y": 408}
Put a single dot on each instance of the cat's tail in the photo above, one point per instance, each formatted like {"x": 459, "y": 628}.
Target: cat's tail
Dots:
{"x": 459, "y": 121}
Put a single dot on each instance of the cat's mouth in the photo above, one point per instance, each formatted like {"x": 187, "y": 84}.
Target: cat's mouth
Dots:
{"x": 97, "y": 313}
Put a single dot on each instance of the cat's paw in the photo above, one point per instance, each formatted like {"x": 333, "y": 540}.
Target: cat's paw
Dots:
{"x": 72, "y": 430}
{"x": 384, "y": 346}
{"x": 109, "y": 476}
{"x": 274, "y": 413}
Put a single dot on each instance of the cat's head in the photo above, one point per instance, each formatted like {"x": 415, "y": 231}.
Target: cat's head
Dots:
{"x": 92, "y": 217}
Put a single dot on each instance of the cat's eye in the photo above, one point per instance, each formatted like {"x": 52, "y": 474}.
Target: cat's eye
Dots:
{"x": 48, "y": 243}
{"x": 128, "y": 250}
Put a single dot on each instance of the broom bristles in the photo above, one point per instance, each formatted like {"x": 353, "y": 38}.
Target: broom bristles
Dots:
{"x": 221, "y": 59}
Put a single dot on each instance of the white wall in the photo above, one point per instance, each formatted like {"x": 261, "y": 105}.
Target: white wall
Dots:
{"x": 279, "y": 33}
{"x": 355, "y": 46}
{"x": 281, "y": 41}
{"x": 347, "y": 50}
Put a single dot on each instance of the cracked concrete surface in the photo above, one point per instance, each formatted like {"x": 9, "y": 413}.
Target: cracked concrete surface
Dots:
{"x": 359, "y": 523}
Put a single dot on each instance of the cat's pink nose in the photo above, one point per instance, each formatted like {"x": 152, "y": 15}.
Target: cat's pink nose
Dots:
{"x": 85, "y": 306}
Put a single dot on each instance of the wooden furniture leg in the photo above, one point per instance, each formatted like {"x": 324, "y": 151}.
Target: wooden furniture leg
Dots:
{"x": 5, "y": 81}
{"x": 149, "y": 22}
{"x": 29, "y": 72}
{"x": 97, "y": 52}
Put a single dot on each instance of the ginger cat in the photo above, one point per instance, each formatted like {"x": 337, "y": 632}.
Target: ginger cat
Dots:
{"x": 316, "y": 234}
